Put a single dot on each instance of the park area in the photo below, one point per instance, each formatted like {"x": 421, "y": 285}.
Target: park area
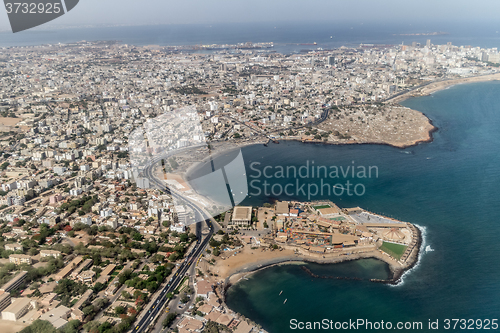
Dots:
{"x": 393, "y": 249}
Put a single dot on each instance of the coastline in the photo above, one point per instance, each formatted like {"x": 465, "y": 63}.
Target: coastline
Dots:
{"x": 436, "y": 86}
{"x": 397, "y": 270}
{"x": 418, "y": 92}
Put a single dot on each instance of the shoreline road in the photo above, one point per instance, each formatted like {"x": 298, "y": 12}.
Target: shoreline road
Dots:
{"x": 158, "y": 301}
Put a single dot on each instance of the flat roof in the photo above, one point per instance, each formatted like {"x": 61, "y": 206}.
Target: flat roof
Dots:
{"x": 242, "y": 213}
{"x": 17, "y": 305}
{"x": 21, "y": 256}
{"x": 14, "y": 280}
{"x": 282, "y": 207}
{"x": 50, "y": 252}
{"x": 108, "y": 269}
{"x": 55, "y": 314}
{"x": 83, "y": 298}
{"x": 69, "y": 267}
{"x": 85, "y": 274}
{"x": 3, "y": 296}
{"x": 243, "y": 327}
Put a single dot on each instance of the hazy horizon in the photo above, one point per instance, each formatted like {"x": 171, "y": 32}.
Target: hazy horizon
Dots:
{"x": 152, "y": 12}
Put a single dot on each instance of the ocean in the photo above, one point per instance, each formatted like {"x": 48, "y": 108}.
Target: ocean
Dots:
{"x": 286, "y": 36}
{"x": 449, "y": 187}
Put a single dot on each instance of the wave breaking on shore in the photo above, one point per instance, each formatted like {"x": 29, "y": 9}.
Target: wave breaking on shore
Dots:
{"x": 400, "y": 280}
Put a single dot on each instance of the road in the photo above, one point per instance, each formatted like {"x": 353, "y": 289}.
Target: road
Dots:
{"x": 324, "y": 116}
{"x": 158, "y": 302}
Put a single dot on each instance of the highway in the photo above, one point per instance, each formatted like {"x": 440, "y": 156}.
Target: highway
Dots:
{"x": 191, "y": 258}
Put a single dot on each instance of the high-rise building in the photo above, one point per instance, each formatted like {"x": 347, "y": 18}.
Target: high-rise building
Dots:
{"x": 484, "y": 56}
{"x": 494, "y": 58}
{"x": 331, "y": 60}
{"x": 428, "y": 43}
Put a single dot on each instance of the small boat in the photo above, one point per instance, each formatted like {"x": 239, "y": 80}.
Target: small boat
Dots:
{"x": 285, "y": 301}
{"x": 281, "y": 292}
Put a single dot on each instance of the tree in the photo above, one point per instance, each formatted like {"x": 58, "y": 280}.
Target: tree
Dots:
{"x": 126, "y": 295}
{"x": 92, "y": 326}
{"x": 124, "y": 276}
{"x": 39, "y": 326}
{"x": 88, "y": 310}
{"x": 120, "y": 310}
{"x": 100, "y": 302}
{"x": 170, "y": 318}
{"x": 71, "y": 326}
{"x": 98, "y": 287}
{"x": 184, "y": 298}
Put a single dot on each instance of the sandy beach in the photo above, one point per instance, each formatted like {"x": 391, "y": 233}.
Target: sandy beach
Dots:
{"x": 247, "y": 261}
{"x": 440, "y": 85}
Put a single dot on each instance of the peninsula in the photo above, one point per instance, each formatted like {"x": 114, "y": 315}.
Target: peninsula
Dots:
{"x": 321, "y": 232}
{"x": 253, "y": 238}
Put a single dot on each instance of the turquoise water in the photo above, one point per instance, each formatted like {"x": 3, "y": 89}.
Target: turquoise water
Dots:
{"x": 450, "y": 187}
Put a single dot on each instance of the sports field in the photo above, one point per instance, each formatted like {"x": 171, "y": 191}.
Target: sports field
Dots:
{"x": 321, "y": 207}
{"x": 394, "y": 250}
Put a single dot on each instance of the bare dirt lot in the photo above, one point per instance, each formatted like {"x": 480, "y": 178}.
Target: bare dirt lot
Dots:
{"x": 10, "y": 326}
{"x": 384, "y": 124}
{"x": 9, "y": 121}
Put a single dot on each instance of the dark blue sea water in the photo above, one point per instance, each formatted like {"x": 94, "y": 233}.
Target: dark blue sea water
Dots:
{"x": 286, "y": 36}
{"x": 450, "y": 187}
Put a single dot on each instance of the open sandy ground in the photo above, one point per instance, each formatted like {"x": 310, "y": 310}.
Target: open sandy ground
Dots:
{"x": 9, "y": 121}
{"x": 7, "y": 326}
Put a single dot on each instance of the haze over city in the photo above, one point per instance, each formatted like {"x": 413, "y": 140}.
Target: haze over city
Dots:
{"x": 132, "y": 12}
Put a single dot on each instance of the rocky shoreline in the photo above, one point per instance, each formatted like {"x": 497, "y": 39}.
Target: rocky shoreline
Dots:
{"x": 397, "y": 272}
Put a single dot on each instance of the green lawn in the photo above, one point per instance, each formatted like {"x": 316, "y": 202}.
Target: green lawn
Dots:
{"x": 394, "y": 250}
{"x": 321, "y": 207}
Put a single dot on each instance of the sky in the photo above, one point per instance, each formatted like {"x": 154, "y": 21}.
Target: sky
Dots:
{"x": 144, "y": 12}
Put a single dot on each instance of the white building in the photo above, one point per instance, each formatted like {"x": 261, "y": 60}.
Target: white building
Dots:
{"x": 106, "y": 212}
{"x": 179, "y": 227}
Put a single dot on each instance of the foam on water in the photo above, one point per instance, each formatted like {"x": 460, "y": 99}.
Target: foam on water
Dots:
{"x": 423, "y": 233}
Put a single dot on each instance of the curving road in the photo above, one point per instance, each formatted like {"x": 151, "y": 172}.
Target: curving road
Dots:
{"x": 159, "y": 301}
